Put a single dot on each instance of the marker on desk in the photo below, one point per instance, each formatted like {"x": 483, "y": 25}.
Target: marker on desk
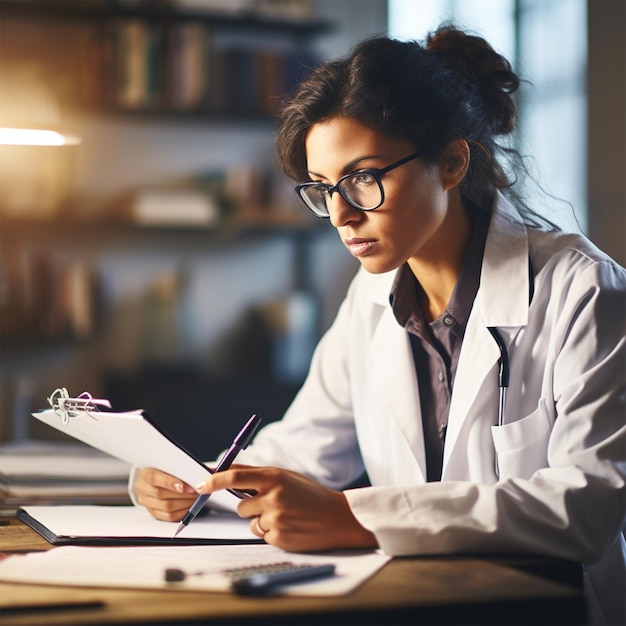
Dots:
{"x": 259, "y": 579}
{"x": 264, "y": 582}
{"x": 240, "y": 443}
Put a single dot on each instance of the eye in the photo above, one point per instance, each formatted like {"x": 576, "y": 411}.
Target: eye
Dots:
{"x": 319, "y": 187}
{"x": 362, "y": 179}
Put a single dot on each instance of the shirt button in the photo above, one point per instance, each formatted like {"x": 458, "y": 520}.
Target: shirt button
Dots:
{"x": 448, "y": 320}
{"x": 441, "y": 377}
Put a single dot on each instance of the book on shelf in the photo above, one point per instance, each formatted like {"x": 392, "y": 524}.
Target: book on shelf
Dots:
{"x": 139, "y": 65}
{"x": 45, "y": 296}
{"x": 173, "y": 207}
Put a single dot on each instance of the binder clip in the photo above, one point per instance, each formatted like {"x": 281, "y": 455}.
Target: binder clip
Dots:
{"x": 67, "y": 408}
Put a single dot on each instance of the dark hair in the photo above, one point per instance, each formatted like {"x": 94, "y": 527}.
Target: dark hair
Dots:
{"x": 454, "y": 86}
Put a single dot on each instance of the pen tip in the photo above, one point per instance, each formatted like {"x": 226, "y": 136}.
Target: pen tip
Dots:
{"x": 180, "y": 527}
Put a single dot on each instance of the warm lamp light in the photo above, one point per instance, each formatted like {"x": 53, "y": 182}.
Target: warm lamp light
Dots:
{"x": 29, "y": 113}
{"x": 37, "y": 160}
{"x": 35, "y": 137}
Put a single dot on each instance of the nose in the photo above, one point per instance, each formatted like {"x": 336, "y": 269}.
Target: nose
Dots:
{"x": 342, "y": 213}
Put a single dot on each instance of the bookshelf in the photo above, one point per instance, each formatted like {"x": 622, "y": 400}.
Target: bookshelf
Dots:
{"x": 143, "y": 59}
{"x": 163, "y": 58}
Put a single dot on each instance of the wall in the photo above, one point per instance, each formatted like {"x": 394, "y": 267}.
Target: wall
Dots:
{"x": 606, "y": 132}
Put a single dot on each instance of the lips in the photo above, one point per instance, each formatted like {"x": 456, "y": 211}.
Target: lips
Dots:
{"x": 359, "y": 246}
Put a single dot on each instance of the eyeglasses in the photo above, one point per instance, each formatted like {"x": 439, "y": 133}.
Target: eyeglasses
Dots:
{"x": 362, "y": 190}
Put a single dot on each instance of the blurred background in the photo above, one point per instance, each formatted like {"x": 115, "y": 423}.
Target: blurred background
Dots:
{"x": 150, "y": 252}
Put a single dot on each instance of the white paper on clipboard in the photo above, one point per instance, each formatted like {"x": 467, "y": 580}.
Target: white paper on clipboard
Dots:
{"x": 132, "y": 437}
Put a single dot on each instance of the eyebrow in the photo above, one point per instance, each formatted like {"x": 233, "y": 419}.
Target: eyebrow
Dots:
{"x": 349, "y": 167}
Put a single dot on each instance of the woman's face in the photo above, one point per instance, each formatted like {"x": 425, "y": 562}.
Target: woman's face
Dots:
{"x": 422, "y": 208}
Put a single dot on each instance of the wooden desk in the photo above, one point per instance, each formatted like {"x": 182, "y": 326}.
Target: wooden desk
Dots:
{"x": 443, "y": 590}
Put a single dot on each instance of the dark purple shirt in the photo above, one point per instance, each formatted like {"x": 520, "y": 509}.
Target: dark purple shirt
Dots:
{"x": 436, "y": 346}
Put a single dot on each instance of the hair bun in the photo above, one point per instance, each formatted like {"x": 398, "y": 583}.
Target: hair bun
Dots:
{"x": 482, "y": 69}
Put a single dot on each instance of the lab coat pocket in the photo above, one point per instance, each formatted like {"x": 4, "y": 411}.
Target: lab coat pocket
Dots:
{"x": 522, "y": 446}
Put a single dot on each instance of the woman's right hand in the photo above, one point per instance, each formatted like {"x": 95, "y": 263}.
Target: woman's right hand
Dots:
{"x": 166, "y": 497}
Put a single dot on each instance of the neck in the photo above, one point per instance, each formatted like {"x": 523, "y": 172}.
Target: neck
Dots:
{"x": 438, "y": 273}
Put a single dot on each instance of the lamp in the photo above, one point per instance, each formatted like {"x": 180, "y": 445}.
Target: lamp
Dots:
{"x": 29, "y": 114}
{"x": 36, "y": 175}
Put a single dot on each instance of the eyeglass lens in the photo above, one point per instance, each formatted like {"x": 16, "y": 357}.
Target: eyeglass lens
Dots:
{"x": 362, "y": 190}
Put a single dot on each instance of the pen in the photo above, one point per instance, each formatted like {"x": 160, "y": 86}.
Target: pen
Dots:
{"x": 240, "y": 442}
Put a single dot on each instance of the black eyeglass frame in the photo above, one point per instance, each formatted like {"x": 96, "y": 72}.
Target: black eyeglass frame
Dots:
{"x": 376, "y": 173}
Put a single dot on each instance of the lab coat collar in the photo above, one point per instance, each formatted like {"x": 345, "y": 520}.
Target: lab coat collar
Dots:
{"x": 503, "y": 296}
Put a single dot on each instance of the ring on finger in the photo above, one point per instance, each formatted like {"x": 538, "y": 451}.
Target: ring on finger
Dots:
{"x": 259, "y": 528}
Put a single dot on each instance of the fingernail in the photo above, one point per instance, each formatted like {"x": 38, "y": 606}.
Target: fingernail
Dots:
{"x": 178, "y": 487}
{"x": 200, "y": 486}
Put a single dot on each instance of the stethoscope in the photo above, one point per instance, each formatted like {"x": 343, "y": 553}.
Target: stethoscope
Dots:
{"x": 503, "y": 371}
{"x": 503, "y": 380}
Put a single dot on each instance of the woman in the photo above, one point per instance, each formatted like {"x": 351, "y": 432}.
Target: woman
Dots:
{"x": 399, "y": 146}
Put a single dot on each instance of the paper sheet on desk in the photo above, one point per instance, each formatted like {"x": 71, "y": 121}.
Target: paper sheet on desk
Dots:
{"x": 145, "y": 567}
{"x": 132, "y": 437}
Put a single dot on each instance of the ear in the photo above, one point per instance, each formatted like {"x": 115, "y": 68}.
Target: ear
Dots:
{"x": 455, "y": 162}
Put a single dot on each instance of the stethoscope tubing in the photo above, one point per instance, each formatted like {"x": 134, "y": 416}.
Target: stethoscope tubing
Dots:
{"x": 503, "y": 380}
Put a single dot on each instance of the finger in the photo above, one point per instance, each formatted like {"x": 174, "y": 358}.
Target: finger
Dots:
{"x": 257, "y": 479}
{"x": 168, "y": 481}
{"x": 251, "y": 507}
{"x": 158, "y": 479}
{"x": 168, "y": 510}
{"x": 157, "y": 498}
{"x": 147, "y": 490}
{"x": 168, "y": 501}
{"x": 167, "y": 516}
{"x": 256, "y": 528}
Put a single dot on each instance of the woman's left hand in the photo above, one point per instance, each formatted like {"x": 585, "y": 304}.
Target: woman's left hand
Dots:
{"x": 291, "y": 511}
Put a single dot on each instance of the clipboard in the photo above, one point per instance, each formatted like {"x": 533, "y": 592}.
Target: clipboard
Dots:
{"x": 131, "y": 436}
{"x": 99, "y": 525}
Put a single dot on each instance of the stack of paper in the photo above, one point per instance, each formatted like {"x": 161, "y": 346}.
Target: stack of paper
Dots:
{"x": 38, "y": 472}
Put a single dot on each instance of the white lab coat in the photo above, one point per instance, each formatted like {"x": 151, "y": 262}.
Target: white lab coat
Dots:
{"x": 562, "y": 449}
